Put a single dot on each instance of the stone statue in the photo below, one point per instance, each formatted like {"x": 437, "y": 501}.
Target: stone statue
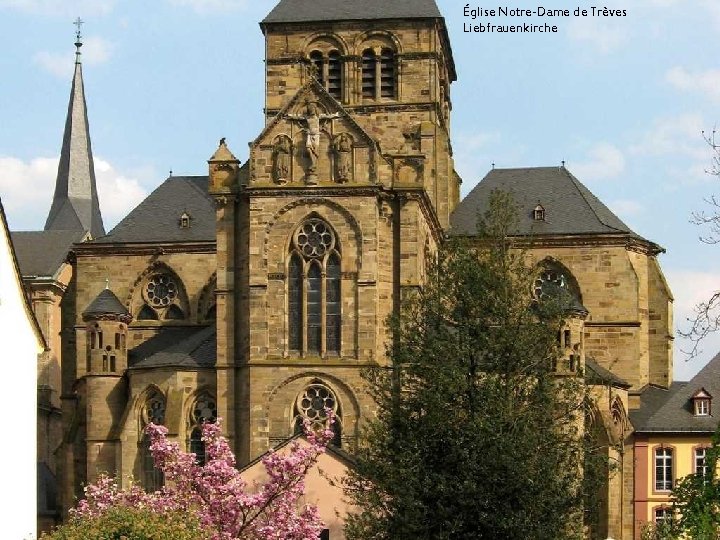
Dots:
{"x": 311, "y": 119}
{"x": 281, "y": 160}
{"x": 343, "y": 157}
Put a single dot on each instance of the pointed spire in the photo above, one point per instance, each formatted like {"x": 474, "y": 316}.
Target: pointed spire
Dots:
{"x": 75, "y": 204}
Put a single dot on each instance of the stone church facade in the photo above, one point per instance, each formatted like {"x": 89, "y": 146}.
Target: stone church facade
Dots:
{"x": 257, "y": 293}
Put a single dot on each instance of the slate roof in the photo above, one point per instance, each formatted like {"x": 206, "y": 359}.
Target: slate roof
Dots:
{"x": 671, "y": 410}
{"x": 157, "y": 218}
{"x": 596, "y": 374}
{"x": 349, "y": 10}
{"x": 570, "y": 208}
{"x": 105, "y": 303}
{"x": 40, "y": 253}
{"x": 180, "y": 347}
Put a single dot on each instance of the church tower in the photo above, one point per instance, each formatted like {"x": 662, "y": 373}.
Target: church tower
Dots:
{"x": 346, "y": 191}
{"x": 75, "y": 204}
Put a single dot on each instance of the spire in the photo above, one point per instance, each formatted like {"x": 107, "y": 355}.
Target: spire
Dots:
{"x": 75, "y": 204}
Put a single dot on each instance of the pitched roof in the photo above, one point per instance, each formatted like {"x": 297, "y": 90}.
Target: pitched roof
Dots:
{"x": 672, "y": 410}
{"x": 570, "y": 207}
{"x": 157, "y": 218}
{"x": 75, "y": 204}
{"x": 596, "y": 374}
{"x": 105, "y": 303}
{"x": 349, "y": 10}
{"x": 40, "y": 253}
{"x": 180, "y": 347}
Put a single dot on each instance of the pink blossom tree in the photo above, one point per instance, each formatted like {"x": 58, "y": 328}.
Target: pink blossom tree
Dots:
{"x": 215, "y": 493}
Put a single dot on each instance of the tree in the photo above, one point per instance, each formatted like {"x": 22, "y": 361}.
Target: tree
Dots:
{"x": 212, "y": 496}
{"x": 475, "y": 435}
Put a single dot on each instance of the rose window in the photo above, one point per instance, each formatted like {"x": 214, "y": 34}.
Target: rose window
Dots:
{"x": 161, "y": 290}
{"x": 205, "y": 410}
{"x": 546, "y": 282}
{"x": 314, "y": 239}
{"x": 314, "y": 400}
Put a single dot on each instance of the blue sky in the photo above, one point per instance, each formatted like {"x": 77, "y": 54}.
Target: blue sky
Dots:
{"x": 622, "y": 100}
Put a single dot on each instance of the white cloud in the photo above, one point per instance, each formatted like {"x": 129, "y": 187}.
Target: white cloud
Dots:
{"x": 626, "y": 208}
{"x": 604, "y": 161}
{"x": 703, "y": 82}
{"x": 679, "y": 135}
{"x": 209, "y": 6}
{"x": 602, "y": 36}
{"x": 27, "y": 189}
{"x": 64, "y": 8}
{"x": 95, "y": 50}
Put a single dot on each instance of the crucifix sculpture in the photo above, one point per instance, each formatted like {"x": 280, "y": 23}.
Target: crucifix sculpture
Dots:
{"x": 310, "y": 120}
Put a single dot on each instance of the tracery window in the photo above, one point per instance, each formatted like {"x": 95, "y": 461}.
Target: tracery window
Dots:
{"x": 162, "y": 296}
{"x": 327, "y": 69}
{"x": 204, "y": 410}
{"x": 312, "y": 405}
{"x": 314, "y": 312}
{"x": 153, "y": 411}
{"x": 378, "y": 73}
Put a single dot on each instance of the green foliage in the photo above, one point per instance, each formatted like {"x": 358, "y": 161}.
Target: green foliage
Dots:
{"x": 696, "y": 500}
{"x": 475, "y": 436}
{"x": 125, "y": 523}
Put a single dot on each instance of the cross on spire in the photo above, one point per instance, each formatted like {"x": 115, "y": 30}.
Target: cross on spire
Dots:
{"x": 78, "y": 37}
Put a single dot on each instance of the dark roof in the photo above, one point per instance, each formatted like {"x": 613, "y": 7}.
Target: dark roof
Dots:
{"x": 570, "y": 208}
{"x": 40, "y": 253}
{"x": 596, "y": 374}
{"x": 105, "y": 303}
{"x": 350, "y": 10}
{"x": 340, "y": 453}
{"x": 672, "y": 410}
{"x": 157, "y": 218}
{"x": 181, "y": 347}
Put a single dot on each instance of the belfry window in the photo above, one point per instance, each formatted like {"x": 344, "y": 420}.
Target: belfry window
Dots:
{"x": 314, "y": 313}
{"x": 327, "y": 70}
{"x": 378, "y": 74}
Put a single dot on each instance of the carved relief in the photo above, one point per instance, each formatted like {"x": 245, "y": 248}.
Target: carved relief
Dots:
{"x": 310, "y": 120}
{"x": 343, "y": 145}
{"x": 281, "y": 159}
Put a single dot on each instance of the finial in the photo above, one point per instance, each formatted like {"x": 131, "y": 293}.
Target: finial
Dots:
{"x": 107, "y": 283}
{"x": 78, "y": 39}
{"x": 493, "y": 165}
{"x": 222, "y": 141}
{"x": 563, "y": 163}
{"x": 170, "y": 172}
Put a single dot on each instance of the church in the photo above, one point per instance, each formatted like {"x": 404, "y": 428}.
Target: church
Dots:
{"x": 257, "y": 293}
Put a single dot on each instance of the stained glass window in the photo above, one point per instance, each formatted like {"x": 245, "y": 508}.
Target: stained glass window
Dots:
{"x": 314, "y": 308}
{"x": 332, "y": 304}
{"x": 295, "y": 300}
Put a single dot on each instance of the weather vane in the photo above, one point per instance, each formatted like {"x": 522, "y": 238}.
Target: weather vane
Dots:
{"x": 78, "y": 36}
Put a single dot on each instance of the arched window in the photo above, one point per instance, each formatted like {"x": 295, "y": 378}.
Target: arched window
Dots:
{"x": 378, "y": 73}
{"x": 311, "y": 406}
{"x": 163, "y": 297}
{"x": 327, "y": 70}
{"x": 204, "y": 410}
{"x": 153, "y": 411}
{"x": 314, "y": 290}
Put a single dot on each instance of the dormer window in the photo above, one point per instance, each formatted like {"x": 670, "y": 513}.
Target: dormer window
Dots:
{"x": 701, "y": 402}
{"x": 185, "y": 220}
{"x": 539, "y": 213}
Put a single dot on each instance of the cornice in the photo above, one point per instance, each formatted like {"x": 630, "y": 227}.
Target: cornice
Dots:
{"x": 143, "y": 248}
{"x": 625, "y": 240}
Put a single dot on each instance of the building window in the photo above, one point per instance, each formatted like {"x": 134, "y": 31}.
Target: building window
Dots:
{"x": 314, "y": 286}
{"x": 163, "y": 297}
{"x": 539, "y": 213}
{"x": 327, "y": 70}
{"x": 662, "y": 515}
{"x": 204, "y": 410}
{"x": 153, "y": 411}
{"x": 701, "y": 402}
{"x": 700, "y": 464}
{"x": 312, "y": 405}
{"x": 324, "y": 534}
{"x": 378, "y": 74}
{"x": 663, "y": 469}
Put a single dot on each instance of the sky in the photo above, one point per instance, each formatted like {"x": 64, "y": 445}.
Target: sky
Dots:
{"x": 623, "y": 100}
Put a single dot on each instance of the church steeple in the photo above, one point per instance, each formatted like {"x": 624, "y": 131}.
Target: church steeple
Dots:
{"x": 75, "y": 204}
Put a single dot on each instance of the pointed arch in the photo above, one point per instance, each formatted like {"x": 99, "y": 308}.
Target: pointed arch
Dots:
{"x": 551, "y": 269}
{"x": 150, "y": 406}
{"x": 155, "y": 290}
{"x": 206, "y": 305}
{"x": 202, "y": 408}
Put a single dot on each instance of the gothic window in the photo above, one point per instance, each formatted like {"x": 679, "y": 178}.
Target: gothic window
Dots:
{"x": 153, "y": 411}
{"x": 554, "y": 281}
{"x": 161, "y": 290}
{"x": 327, "y": 69}
{"x": 147, "y": 314}
{"x": 314, "y": 286}
{"x": 204, "y": 410}
{"x": 378, "y": 73}
{"x": 312, "y": 405}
